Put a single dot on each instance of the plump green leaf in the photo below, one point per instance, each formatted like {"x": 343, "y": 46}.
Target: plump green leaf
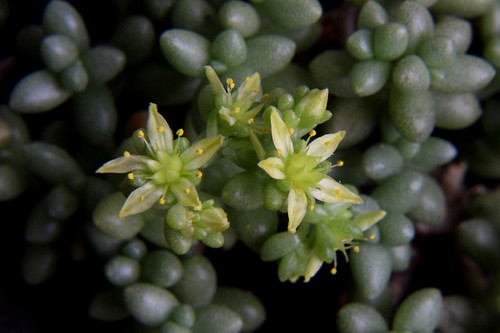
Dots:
{"x": 121, "y": 270}
{"x": 411, "y": 75}
{"x": 360, "y": 318}
{"x": 413, "y": 115}
{"x": 245, "y": 304}
{"x": 229, "y": 47}
{"x": 215, "y": 318}
{"x": 417, "y": 20}
{"x": 463, "y": 8}
{"x": 106, "y": 218}
{"x": 456, "y": 111}
{"x": 371, "y": 269}
{"x": 381, "y": 161}
{"x": 162, "y": 268}
{"x": 245, "y": 191}
{"x": 331, "y": 69}
{"x": 103, "y": 63}
{"x": 13, "y": 181}
{"x": 419, "y": 312}
{"x": 135, "y": 36}
{"x": 60, "y": 17}
{"x": 390, "y": 41}
{"x": 108, "y": 305}
{"x": 58, "y": 52}
{"x": 38, "y": 92}
{"x": 360, "y": 44}
{"x": 198, "y": 284}
{"x": 197, "y": 16}
{"x": 149, "y": 304}
{"x": 253, "y": 227}
{"x": 395, "y": 229}
{"x": 39, "y": 263}
{"x": 279, "y": 245}
{"x": 292, "y": 14}
{"x": 372, "y": 14}
{"x": 241, "y": 16}
{"x": 268, "y": 54}
{"x": 187, "y": 51}
{"x": 369, "y": 77}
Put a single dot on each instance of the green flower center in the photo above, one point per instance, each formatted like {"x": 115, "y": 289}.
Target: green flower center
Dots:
{"x": 170, "y": 169}
{"x": 299, "y": 171}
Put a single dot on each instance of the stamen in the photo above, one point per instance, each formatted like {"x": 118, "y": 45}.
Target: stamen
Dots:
{"x": 279, "y": 165}
{"x": 255, "y": 89}
{"x": 265, "y": 97}
{"x": 163, "y": 201}
{"x": 328, "y": 143}
{"x": 141, "y": 199}
{"x": 198, "y": 174}
{"x": 237, "y": 110}
{"x": 311, "y": 207}
{"x": 131, "y": 176}
{"x": 356, "y": 249}
{"x": 161, "y": 129}
{"x": 187, "y": 190}
{"x": 312, "y": 133}
{"x": 140, "y": 134}
{"x": 250, "y": 121}
{"x": 247, "y": 79}
{"x": 297, "y": 191}
{"x": 279, "y": 152}
{"x": 337, "y": 192}
{"x": 340, "y": 163}
{"x": 265, "y": 130}
{"x": 372, "y": 236}
{"x": 333, "y": 271}
{"x": 230, "y": 83}
{"x": 180, "y": 132}
{"x": 291, "y": 130}
{"x": 199, "y": 151}
{"x": 126, "y": 154}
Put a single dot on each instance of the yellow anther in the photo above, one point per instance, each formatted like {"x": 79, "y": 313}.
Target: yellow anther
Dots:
{"x": 333, "y": 271}
{"x": 237, "y": 110}
{"x": 126, "y": 154}
{"x": 187, "y": 190}
{"x": 297, "y": 191}
{"x": 340, "y": 163}
{"x": 255, "y": 89}
{"x": 265, "y": 97}
{"x": 199, "y": 151}
{"x": 279, "y": 165}
{"x": 312, "y": 133}
{"x": 163, "y": 201}
{"x": 247, "y": 79}
{"x": 279, "y": 152}
{"x": 337, "y": 192}
{"x": 161, "y": 129}
{"x": 372, "y": 236}
{"x": 230, "y": 83}
{"x": 131, "y": 176}
{"x": 291, "y": 130}
{"x": 198, "y": 174}
{"x": 250, "y": 121}
{"x": 356, "y": 249}
{"x": 141, "y": 199}
{"x": 311, "y": 207}
{"x": 328, "y": 143}
{"x": 265, "y": 130}
{"x": 140, "y": 134}
{"x": 180, "y": 132}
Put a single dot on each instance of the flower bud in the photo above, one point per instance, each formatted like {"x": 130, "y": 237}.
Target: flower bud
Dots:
{"x": 312, "y": 107}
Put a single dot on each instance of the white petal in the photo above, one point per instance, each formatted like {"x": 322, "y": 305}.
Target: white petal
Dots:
{"x": 159, "y": 133}
{"x": 312, "y": 268}
{"x": 274, "y": 167}
{"x": 200, "y": 152}
{"x": 214, "y": 80}
{"x": 124, "y": 164}
{"x": 186, "y": 193}
{"x": 281, "y": 136}
{"x": 328, "y": 190}
{"x": 323, "y": 147}
{"x": 141, "y": 199}
{"x": 297, "y": 207}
